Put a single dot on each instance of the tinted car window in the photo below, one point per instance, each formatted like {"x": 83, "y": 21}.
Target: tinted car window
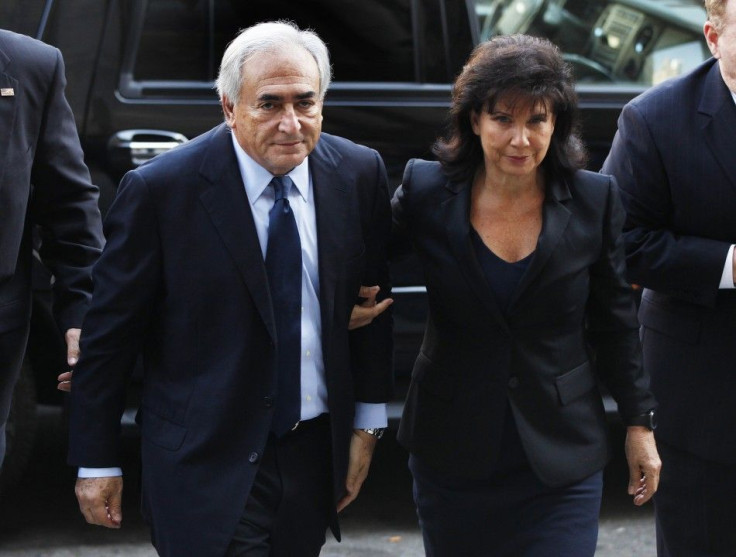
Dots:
{"x": 22, "y": 16}
{"x": 184, "y": 39}
{"x": 623, "y": 41}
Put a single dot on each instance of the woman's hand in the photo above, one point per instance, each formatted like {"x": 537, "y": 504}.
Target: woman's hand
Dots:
{"x": 644, "y": 463}
{"x": 364, "y": 313}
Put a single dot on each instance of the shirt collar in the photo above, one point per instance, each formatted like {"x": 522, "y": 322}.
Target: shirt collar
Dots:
{"x": 256, "y": 178}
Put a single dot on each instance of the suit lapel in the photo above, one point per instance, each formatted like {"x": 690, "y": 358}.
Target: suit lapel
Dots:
{"x": 718, "y": 116}
{"x": 329, "y": 197}
{"x": 555, "y": 217}
{"x": 223, "y": 196}
{"x": 456, "y": 216}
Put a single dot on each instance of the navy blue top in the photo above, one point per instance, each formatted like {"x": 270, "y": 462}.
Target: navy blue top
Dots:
{"x": 503, "y": 278}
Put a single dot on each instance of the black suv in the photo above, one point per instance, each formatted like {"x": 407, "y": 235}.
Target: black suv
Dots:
{"x": 141, "y": 72}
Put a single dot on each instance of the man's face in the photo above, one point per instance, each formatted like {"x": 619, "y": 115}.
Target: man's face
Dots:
{"x": 723, "y": 44}
{"x": 278, "y": 117}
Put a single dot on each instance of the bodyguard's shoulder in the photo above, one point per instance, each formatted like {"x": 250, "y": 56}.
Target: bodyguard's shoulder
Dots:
{"x": 678, "y": 89}
{"x": 23, "y": 50}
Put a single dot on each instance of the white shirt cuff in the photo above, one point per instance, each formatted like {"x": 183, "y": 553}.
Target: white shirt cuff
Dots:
{"x": 727, "y": 276}
{"x": 370, "y": 415}
{"x": 99, "y": 472}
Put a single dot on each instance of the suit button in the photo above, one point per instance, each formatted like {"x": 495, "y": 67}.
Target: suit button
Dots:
{"x": 268, "y": 401}
{"x": 253, "y": 458}
{"x": 513, "y": 382}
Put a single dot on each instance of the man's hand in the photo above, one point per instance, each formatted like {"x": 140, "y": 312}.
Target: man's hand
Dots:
{"x": 100, "y": 500}
{"x": 72, "y": 346}
{"x": 65, "y": 381}
{"x": 72, "y": 357}
{"x": 363, "y": 314}
{"x": 361, "y": 453}
{"x": 644, "y": 463}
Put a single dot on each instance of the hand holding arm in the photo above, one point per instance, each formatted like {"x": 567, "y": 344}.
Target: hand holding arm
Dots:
{"x": 364, "y": 313}
{"x": 362, "y": 446}
{"x": 644, "y": 463}
{"x": 72, "y": 346}
{"x": 100, "y": 500}
{"x": 72, "y": 357}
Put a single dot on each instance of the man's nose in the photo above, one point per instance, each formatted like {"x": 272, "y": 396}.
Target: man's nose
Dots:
{"x": 289, "y": 122}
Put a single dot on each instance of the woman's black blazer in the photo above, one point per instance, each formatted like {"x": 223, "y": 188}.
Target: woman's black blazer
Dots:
{"x": 571, "y": 322}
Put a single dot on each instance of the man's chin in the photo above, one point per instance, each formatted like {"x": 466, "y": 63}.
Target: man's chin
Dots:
{"x": 285, "y": 162}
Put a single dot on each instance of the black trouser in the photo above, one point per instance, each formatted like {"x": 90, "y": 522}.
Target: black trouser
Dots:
{"x": 695, "y": 506}
{"x": 291, "y": 502}
{"x": 12, "y": 349}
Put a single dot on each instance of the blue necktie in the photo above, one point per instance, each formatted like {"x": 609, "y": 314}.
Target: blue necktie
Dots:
{"x": 284, "y": 269}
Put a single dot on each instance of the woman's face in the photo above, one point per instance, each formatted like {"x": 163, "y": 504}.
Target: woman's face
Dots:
{"x": 515, "y": 137}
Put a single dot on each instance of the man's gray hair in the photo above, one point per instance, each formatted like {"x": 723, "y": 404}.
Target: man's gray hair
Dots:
{"x": 268, "y": 37}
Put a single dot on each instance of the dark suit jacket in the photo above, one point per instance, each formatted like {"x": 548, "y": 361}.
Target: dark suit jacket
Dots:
{"x": 675, "y": 159}
{"x": 44, "y": 182}
{"x": 182, "y": 278}
{"x": 571, "y": 320}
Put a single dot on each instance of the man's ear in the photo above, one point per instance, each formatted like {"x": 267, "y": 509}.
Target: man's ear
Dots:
{"x": 711, "y": 37}
{"x": 228, "y": 110}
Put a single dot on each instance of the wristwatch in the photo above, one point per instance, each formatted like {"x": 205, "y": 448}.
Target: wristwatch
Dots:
{"x": 647, "y": 419}
{"x": 377, "y": 432}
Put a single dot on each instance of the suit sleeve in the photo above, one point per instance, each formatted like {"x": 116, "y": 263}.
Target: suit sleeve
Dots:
{"x": 401, "y": 216}
{"x": 371, "y": 347}
{"x": 612, "y": 324}
{"x": 658, "y": 256}
{"x": 127, "y": 279}
{"x": 65, "y": 205}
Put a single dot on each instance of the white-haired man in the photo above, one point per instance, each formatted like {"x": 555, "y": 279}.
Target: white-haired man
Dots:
{"x": 233, "y": 263}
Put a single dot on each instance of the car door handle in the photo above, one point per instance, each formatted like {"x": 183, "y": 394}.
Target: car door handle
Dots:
{"x": 131, "y": 148}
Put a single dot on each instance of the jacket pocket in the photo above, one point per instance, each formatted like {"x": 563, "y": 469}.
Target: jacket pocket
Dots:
{"x": 575, "y": 383}
{"x": 160, "y": 431}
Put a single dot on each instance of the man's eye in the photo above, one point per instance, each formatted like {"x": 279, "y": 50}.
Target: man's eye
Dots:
{"x": 267, "y": 106}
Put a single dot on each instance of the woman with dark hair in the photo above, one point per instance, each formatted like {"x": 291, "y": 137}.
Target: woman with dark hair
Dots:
{"x": 528, "y": 309}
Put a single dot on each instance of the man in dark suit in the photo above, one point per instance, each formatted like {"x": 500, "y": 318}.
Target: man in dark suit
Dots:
{"x": 45, "y": 183}
{"x": 193, "y": 276}
{"x": 674, "y": 159}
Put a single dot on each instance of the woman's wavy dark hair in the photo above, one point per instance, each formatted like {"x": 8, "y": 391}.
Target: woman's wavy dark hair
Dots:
{"x": 515, "y": 68}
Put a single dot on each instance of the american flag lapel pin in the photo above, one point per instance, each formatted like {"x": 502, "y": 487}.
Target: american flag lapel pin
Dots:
{"x": 7, "y": 92}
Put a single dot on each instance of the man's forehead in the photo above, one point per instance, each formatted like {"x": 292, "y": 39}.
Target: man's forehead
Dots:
{"x": 290, "y": 71}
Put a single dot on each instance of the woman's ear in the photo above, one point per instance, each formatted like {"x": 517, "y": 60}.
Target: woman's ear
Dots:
{"x": 474, "y": 117}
